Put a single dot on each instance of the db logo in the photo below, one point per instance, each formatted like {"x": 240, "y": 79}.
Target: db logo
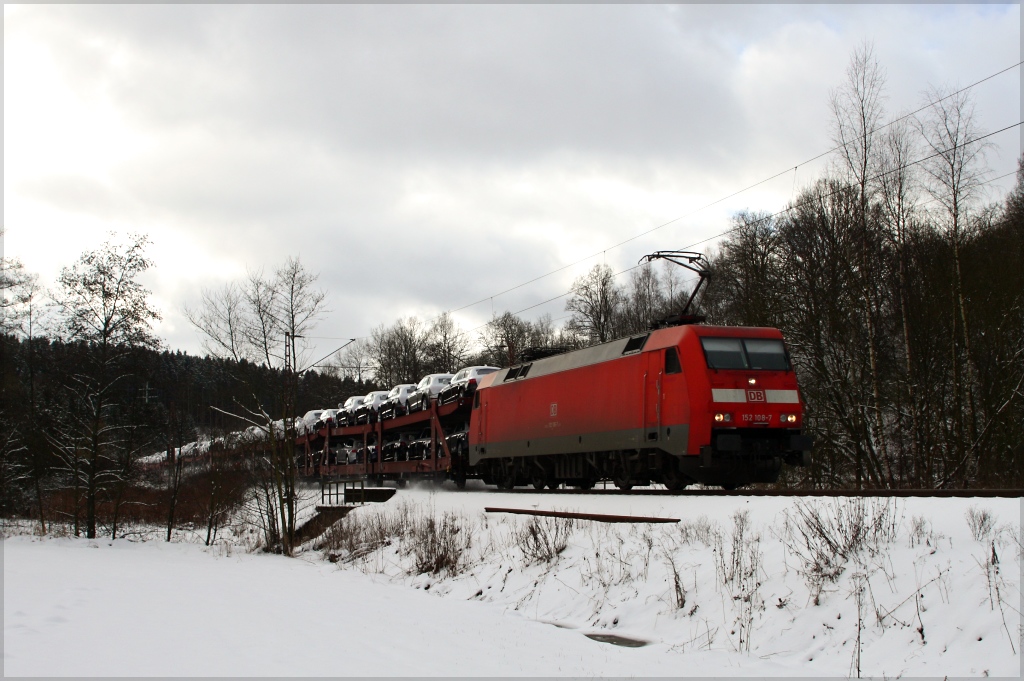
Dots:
{"x": 554, "y": 409}
{"x": 755, "y": 396}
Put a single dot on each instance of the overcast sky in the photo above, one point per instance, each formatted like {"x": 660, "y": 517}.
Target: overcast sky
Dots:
{"x": 424, "y": 157}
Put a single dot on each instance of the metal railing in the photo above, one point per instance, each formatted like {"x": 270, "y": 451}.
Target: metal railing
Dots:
{"x": 342, "y": 492}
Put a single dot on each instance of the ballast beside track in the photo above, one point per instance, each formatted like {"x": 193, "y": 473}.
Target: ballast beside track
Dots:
{"x": 948, "y": 493}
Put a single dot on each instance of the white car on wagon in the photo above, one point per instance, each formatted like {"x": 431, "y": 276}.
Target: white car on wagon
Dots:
{"x": 464, "y": 383}
{"x": 347, "y": 412}
{"x": 427, "y": 389}
{"x": 397, "y": 402}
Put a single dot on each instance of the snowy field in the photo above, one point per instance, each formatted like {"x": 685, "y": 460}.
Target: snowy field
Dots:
{"x": 741, "y": 586}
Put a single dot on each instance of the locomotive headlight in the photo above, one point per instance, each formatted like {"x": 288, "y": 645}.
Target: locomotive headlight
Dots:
{"x": 752, "y": 381}
{"x": 723, "y": 418}
{"x": 787, "y": 418}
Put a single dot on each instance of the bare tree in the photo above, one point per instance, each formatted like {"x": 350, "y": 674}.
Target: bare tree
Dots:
{"x": 222, "y": 319}
{"x": 251, "y": 322}
{"x": 897, "y": 193}
{"x": 24, "y": 315}
{"x": 102, "y": 306}
{"x": 135, "y": 439}
{"x": 504, "y": 338}
{"x": 13, "y": 469}
{"x": 263, "y": 327}
{"x": 746, "y": 288}
{"x": 595, "y": 302}
{"x": 447, "y": 345}
{"x": 542, "y": 333}
{"x": 643, "y": 300}
{"x": 18, "y": 289}
{"x": 857, "y": 109}
{"x": 675, "y": 290}
{"x": 299, "y": 307}
{"x": 820, "y": 286}
{"x": 398, "y": 352}
{"x": 955, "y": 173}
{"x": 175, "y": 464}
{"x": 355, "y": 360}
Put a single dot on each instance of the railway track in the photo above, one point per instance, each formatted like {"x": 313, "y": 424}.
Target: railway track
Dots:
{"x": 951, "y": 493}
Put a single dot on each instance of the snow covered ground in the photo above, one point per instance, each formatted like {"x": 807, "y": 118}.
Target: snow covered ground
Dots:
{"x": 731, "y": 590}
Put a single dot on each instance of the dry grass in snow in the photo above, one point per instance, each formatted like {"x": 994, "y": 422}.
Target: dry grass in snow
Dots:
{"x": 845, "y": 587}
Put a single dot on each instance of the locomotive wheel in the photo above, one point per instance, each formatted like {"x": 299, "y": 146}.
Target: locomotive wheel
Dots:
{"x": 585, "y": 483}
{"x": 674, "y": 480}
{"x": 504, "y": 473}
{"x": 539, "y": 479}
{"x": 622, "y": 480}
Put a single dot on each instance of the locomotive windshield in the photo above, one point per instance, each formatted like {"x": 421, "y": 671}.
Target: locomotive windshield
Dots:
{"x": 763, "y": 354}
{"x": 766, "y": 354}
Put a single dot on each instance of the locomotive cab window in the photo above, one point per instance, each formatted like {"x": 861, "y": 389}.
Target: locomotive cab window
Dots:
{"x": 763, "y": 354}
{"x": 672, "y": 365}
{"x": 724, "y": 353}
{"x": 766, "y": 354}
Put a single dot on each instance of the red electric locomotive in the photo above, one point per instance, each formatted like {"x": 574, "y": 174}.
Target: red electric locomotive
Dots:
{"x": 686, "y": 403}
{"x": 717, "y": 405}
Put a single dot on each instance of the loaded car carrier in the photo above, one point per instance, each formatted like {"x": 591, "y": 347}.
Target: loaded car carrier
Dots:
{"x": 682, "y": 403}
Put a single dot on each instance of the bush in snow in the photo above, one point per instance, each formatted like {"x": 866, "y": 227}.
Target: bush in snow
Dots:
{"x": 825, "y": 535}
{"x": 920, "y": 532}
{"x": 981, "y": 522}
{"x": 542, "y": 540}
{"x": 739, "y": 571}
{"x": 699, "y": 531}
{"x": 360, "y": 534}
{"x": 434, "y": 543}
{"x": 439, "y": 544}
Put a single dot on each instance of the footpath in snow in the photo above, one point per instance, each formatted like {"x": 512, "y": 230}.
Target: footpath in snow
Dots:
{"x": 430, "y": 585}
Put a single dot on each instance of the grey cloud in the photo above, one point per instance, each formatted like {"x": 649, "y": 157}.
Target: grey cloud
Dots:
{"x": 373, "y": 140}
{"x": 505, "y": 82}
{"x": 79, "y": 193}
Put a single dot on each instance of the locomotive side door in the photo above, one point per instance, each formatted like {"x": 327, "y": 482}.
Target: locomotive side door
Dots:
{"x": 478, "y": 416}
{"x": 654, "y": 373}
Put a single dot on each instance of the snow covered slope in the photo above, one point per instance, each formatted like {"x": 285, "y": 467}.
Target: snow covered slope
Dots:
{"x": 732, "y": 590}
